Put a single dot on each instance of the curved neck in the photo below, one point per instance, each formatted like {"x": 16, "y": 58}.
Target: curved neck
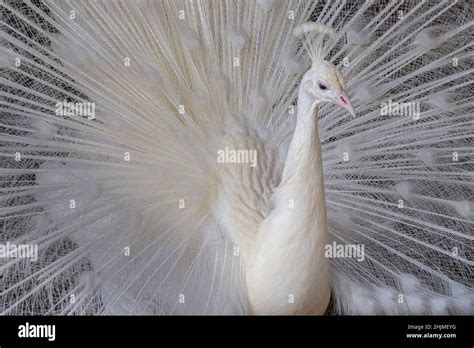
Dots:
{"x": 305, "y": 147}
{"x": 289, "y": 273}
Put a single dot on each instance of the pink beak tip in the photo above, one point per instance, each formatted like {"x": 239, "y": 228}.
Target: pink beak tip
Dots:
{"x": 346, "y": 104}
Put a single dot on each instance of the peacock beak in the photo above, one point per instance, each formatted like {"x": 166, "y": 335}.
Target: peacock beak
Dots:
{"x": 344, "y": 102}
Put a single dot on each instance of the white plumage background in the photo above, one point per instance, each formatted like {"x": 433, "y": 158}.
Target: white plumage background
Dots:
{"x": 130, "y": 210}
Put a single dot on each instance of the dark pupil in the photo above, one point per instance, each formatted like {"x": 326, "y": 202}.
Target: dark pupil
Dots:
{"x": 323, "y": 87}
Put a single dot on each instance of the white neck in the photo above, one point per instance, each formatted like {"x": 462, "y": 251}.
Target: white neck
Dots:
{"x": 289, "y": 273}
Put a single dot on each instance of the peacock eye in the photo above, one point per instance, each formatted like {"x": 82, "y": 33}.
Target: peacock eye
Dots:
{"x": 322, "y": 86}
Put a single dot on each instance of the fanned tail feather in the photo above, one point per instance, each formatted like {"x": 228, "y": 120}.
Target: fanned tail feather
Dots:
{"x": 120, "y": 204}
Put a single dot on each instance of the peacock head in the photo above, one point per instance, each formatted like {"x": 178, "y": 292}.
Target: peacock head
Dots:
{"x": 325, "y": 84}
{"x": 322, "y": 81}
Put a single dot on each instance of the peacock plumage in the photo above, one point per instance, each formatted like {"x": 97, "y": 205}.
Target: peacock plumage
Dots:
{"x": 199, "y": 157}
